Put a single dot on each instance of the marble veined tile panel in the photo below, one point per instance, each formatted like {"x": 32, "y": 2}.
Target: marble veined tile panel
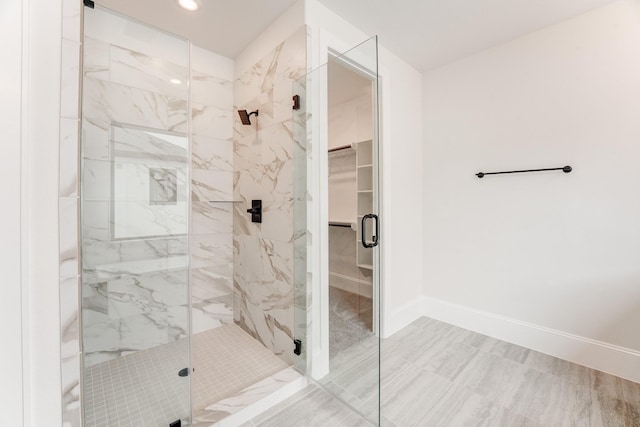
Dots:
{"x": 68, "y": 244}
{"x": 211, "y": 314}
{"x": 135, "y": 69}
{"x": 259, "y": 181}
{"x": 291, "y": 57}
{"x": 71, "y": 20}
{"x": 68, "y": 183}
{"x": 211, "y": 121}
{"x": 211, "y": 153}
{"x": 99, "y": 253}
{"x": 211, "y": 91}
{"x": 119, "y": 30}
{"x": 177, "y": 119}
{"x": 211, "y": 250}
{"x": 269, "y": 326}
{"x": 96, "y": 180}
{"x": 113, "y": 338}
{"x": 247, "y": 262}
{"x": 209, "y": 283}
{"x": 110, "y": 102}
{"x": 70, "y": 75}
{"x": 277, "y": 220}
{"x": 96, "y": 60}
{"x": 95, "y": 140}
{"x": 211, "y": 185}
{"x": 70, "y": 376}
{"x": 211, "y": 218}
{"x": 69, "y": 327}
{"x": 277, "y": 259}
{"x": 286, "y": 62}
{"x": 138, "y": 294}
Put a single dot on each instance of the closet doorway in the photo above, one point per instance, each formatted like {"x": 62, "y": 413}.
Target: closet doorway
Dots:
{"x": 352, "y": 205}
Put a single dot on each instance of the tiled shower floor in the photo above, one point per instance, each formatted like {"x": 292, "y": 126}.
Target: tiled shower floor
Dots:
{"x": 143, "y": 389}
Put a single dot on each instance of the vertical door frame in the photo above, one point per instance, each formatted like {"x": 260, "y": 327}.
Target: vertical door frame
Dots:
{"x": 332, "y": 46}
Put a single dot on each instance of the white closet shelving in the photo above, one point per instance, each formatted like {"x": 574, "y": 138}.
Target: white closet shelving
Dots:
{"x": 364, "y": 186}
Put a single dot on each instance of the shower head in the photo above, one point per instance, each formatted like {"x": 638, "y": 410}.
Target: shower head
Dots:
{"x": 246, "y": 117}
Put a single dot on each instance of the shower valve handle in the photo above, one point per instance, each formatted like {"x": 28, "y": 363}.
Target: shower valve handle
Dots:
{"x": 256, "y": 211}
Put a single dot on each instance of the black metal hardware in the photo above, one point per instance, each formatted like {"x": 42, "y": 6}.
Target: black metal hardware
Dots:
{"x": 89, "y": 3}
{"x": 177, "y": 423}
{"x": 183, "y": 372}
{"x": 363, "y": 229}
{"x": 296, "y": 102}
{"x": 344, "y": 147}
{"x": 335, "y": 224}
{"x": 565, "y": 169}
{"x": 256, "y": 211}
{"x": 298, "y": 347}
{"x": 245, "y": 117}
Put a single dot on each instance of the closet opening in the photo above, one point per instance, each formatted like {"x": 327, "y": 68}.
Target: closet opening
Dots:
{"x": 350, "y": 202}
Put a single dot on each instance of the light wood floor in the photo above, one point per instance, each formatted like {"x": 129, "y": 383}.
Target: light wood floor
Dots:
{"x": 435, "y": 374}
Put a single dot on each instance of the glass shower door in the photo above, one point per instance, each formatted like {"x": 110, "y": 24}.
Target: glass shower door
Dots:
{"x": 135, "y": 224}
{"x": 337, "y": 272}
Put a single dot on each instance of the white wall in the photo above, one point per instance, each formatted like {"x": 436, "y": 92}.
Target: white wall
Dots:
{"x": 42, "y": 93}
{"x": 29, "y": 106}
{"x": 556, "y": 251}
{"x": 401, "y": 153}
{"x": 10, "y": 220}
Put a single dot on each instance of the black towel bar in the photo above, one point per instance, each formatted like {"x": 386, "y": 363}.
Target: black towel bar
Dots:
{"x": 565, "y": 169}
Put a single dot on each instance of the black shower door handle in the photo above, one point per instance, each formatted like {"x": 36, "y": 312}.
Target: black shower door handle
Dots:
{"x": 363, "y": 229}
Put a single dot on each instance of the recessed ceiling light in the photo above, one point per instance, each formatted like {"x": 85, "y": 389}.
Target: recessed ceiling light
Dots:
{"x": 190, "y": 5}
{"x": 176, "y": 81}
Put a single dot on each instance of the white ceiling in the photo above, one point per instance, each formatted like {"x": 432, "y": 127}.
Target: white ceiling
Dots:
{"x": 222, "y": 26}
{"x": 425, "y": 33}
{"x": 431, "y": 33}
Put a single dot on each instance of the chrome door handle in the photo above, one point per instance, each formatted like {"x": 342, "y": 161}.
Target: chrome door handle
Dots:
{"x": 363, "y": 230}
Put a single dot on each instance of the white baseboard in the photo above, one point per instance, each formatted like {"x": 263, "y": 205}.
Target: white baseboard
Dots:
{"x": 615, "y": 360}
{"x": 402, "y": 317}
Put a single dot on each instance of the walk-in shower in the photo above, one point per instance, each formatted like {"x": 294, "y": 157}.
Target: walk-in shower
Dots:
{"x": 187, "y": 305}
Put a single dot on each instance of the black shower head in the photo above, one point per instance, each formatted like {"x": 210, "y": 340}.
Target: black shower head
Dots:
{"x": 246, "y": 117}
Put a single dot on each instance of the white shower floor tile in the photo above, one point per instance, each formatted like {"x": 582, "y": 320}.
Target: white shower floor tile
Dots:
{"x": 144, "y": 389}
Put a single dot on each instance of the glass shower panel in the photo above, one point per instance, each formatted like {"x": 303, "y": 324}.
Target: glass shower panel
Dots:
{"x": 135, "y": 224}
{"x": 337, "y": 313}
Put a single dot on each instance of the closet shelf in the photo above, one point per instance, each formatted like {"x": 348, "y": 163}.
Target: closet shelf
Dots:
{"x": 365, "y": 166}
{"x": 365, "y": 191}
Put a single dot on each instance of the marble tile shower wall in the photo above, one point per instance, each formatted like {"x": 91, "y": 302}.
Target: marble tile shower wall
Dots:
{"x": 212, "y": 190}
{"x": 127, "y": 80}
{"x": 263, "y": 292}
{"x": 131, "y": 298}
{"x": 68, "y": 207}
